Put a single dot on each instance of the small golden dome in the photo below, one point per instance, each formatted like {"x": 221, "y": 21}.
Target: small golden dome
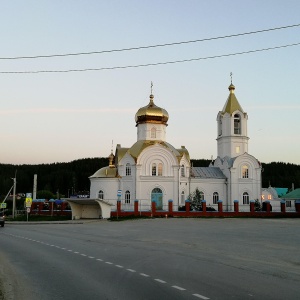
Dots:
{"x": 151, "y": 114}
{"x": 231, "y": 87}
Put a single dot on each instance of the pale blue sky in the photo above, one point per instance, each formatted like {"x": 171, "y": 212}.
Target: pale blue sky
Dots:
{"x": 60, "y": 117}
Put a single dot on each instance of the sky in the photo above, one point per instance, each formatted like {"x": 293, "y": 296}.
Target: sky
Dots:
{"x": 61, "y": 117}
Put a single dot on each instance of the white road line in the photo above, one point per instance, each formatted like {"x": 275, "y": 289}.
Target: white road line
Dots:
{"x": 91, "y": 257}
{"x": 119, "y": 266}
{"x": 70, "y": 250}
{"x": 200, "y": 296}
{"x": 145, "y": 275}
{"x": 159, "y": 280}
{"x": 130, "y": 270}
{"x": 178, "y": 287}
{"x": 99, "y": 259}
{"x": 83, "y": 254}
{"x": 108, "y": 262}
{"x": 76, "y": 252}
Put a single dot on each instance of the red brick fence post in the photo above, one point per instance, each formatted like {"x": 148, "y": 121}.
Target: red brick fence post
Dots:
{"x": 220, "y": 206}
{"x": 297, "y": 205}
{"x": 282, "y": 206}
{"x": 252, "y": 206}
{"x": 203, "y": 205}
{"x": 170, "y": 206}
{"x": 136, "y": 207}
{"x": 187, "y": 206}
{"x": 236, "y": 206}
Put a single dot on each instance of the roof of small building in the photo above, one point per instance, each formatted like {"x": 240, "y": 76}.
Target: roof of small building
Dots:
{"x": 295, "y": 194}
{"x": 207, "y": 172}
{"x": 281, "y": 191}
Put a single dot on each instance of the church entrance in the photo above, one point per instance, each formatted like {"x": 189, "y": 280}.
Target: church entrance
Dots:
{"x": 157, "y": 197}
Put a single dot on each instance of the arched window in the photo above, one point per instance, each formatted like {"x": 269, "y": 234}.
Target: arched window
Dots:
{"x": 215, "y": 198}
{"x": 154, "y": 169}
{"x": 245, "y": 198}
{"x": 128, "y": 169}
{"x": 127, "y": 197}
{"x": 157, "y": 169}
{"x": 220, "y": 125}
{"x": 201, "y": 196}
{"x": 182, "y": 171}
{"x": 182, "y": 197}
{"x": 101, "y": 195}
{"x": 237, "y": 124}
{"x": 153, "y": 133}
{"x": 245, "y": 172}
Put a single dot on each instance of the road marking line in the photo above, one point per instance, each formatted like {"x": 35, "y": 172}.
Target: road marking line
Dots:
{"x": 159, "y": 280}
{"x": 145, "y": 275}
{"x": 99, "y": 259}
{"x": 200, "y": 296}
{"x": 130, "y": 270}
{"x": 63, "y": 248}
{"x": 83, "y": 254}
{"x": 178, "y": 287}
{"x": 70, "y": 250}
{"x": 91, "y": 257}
{"x": 119, "y": 266}
{"x": 76, "y": 252}
{"x": 108, "y": 262}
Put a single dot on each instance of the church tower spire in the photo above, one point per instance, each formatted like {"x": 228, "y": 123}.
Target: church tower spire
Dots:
{"x": 232, "y": 127}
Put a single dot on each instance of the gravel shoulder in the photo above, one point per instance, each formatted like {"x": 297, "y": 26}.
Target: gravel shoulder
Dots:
{"x": 12, "y": 287}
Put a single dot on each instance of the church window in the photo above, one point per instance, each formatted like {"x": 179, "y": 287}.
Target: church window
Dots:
{"x": 160, "y": 169}
{"x": 101, "y": 195}
{"x": 157, "y": 169}
{"x": 220, "y": 126}
{"x": 128, "y": 169}
{"x": 215, "y": 198}
{"x": 182, "y": 171}
{"x": 182, "y": 197}
{"x": 246, "y": 198}
{"x": 127, "y": 197}
{"x": 237, "y": 149}
{"x": 153, "y": 133}
{"x": 201, "y": 195}
{"x": 237, "y": 124}
{"x": 154, "y": 169}
{"x": 245, "y": 172}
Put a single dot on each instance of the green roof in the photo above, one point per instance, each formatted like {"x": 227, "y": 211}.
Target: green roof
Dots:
{"x": 295, "y": 194}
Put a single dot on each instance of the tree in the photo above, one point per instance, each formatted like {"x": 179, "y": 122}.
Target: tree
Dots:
{"x": 44, "y": 194}
{"x": 195, "y": 200}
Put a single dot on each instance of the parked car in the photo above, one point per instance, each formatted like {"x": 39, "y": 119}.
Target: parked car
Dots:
{"x": 2, "y": 221}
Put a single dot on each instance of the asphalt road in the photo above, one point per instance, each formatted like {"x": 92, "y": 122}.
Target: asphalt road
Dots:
{"x": 152, "y": 259}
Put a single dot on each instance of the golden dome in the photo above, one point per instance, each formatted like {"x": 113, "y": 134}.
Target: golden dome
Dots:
{"x": 151, "y": 114}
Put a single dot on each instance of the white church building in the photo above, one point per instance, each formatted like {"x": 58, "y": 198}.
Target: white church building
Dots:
{"x": 153, "y": 170}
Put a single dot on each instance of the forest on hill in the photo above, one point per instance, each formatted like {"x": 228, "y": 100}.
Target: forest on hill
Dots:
{"x": 73, "y": 177}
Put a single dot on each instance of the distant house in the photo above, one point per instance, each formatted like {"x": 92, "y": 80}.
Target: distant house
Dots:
{"x": 291, "y": 197}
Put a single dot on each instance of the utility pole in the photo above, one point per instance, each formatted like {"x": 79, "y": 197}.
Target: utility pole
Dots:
{"x": 14, "y": 196}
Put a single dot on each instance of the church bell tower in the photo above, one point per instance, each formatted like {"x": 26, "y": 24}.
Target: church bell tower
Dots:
{"x": 232, "y": 128}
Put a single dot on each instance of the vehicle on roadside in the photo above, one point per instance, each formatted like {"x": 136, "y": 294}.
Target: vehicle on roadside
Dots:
{"x": 2, "y": 221}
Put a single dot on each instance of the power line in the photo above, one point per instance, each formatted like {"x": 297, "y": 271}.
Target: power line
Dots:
{"x": 149, "y": 46}
{"x": 150, "y": 64}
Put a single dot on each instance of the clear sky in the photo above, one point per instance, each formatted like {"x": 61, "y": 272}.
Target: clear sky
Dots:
{"x": 60, "y": 117}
